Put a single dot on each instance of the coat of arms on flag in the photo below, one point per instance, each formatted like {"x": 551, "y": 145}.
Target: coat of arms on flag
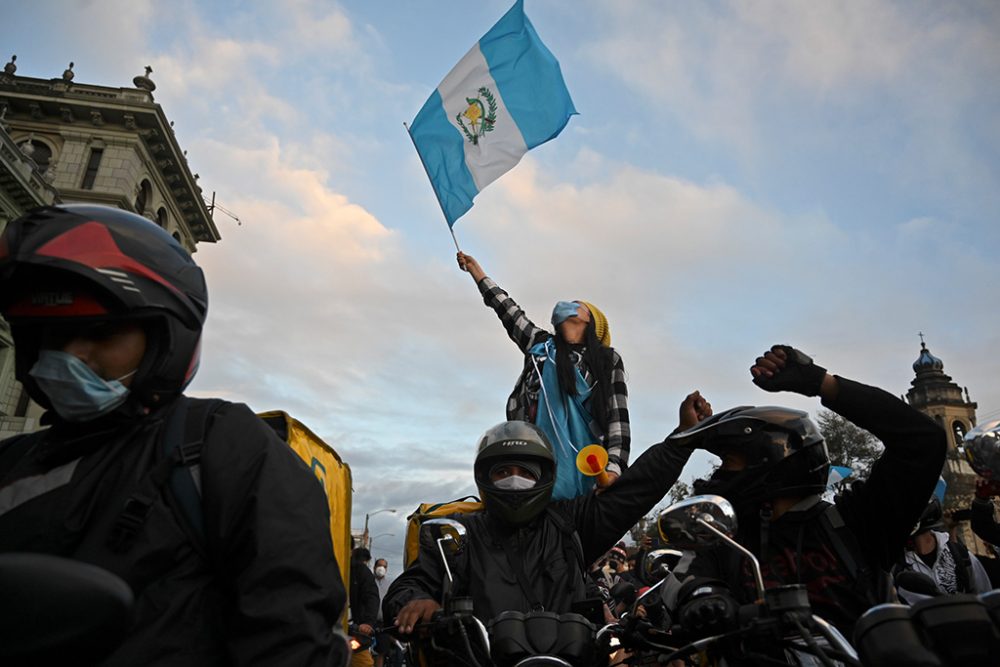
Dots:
{"x": 481, "y": 115}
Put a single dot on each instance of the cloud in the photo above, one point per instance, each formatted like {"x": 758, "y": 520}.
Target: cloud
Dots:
{"x": 316, "y": 29}
{"x": 27, "y": 23}
{"x": 755, "y": 76}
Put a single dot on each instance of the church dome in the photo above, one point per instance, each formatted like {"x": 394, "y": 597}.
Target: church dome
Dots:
{"x": 927, "y": 361}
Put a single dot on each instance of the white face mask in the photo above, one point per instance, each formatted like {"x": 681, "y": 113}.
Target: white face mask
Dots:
{"x": 515, "y": 483}
{"x": 380, "y": 571}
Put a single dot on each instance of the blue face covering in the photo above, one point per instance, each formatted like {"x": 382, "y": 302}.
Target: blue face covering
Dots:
{"x": 563, "y": 311}
{"x": 76, "y": 392}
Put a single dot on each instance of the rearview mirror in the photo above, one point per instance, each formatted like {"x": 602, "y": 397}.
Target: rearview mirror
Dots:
{"x": 448, "y": 533}
{"x": 54, "y": 608}
{"x": 449, "y": 536}
{"x": 705, "y": 521}
{"x": 686, "y": 525}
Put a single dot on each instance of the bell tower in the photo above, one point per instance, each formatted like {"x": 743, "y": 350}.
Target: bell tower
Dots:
{"x": 933, "y": 393}
{"x": 936, "y": 395}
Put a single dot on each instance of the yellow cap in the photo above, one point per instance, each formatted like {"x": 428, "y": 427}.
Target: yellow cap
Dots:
{"x": 600, "y": 324}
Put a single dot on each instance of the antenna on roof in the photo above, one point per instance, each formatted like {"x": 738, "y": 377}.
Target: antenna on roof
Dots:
{"x": 212, "y": 206}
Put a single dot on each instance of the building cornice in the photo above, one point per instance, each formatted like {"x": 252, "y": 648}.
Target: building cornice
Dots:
{"x": 104, "y": 109}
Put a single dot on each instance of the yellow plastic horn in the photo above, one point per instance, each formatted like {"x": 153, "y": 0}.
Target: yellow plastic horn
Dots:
{"x": 591, "y": 461}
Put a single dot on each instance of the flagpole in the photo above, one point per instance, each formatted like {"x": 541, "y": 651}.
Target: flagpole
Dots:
{"x": 436, "y": 196}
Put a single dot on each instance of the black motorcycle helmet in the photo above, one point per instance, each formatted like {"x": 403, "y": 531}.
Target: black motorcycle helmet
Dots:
{"x": 932, "y": 518}
{"x": 81, "y": 263}
{"x": 784, "y": 452}
{"x": 515, "y": 442}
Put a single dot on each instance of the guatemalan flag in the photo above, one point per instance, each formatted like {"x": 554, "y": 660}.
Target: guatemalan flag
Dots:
{"x": 506, "y": 96}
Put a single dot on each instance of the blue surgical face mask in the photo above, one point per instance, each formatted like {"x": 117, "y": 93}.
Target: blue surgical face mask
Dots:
{"x": 563, "y": 311}
{"x": 76, "y": 392}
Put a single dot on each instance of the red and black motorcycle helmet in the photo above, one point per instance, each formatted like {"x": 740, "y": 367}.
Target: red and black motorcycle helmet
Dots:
{"x": 76, "y": 263}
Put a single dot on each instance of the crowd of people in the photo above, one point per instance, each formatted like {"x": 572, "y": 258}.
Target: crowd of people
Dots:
{"x": 223, "y": 536}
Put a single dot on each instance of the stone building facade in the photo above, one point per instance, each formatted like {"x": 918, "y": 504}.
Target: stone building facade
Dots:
{"x": 935, "y": 394}
{"x": 62, "y": 142}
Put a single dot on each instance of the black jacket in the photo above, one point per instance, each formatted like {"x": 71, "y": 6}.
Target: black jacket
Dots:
{"x": 271, "y": 591}
{"x": 552, "y": 563}
{"x": 364, "y": 594}
{"x": 983, "y": 523}
{"x": 879, "y": 515}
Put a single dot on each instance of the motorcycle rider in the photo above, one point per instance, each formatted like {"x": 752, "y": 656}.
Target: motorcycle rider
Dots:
{"x": 775, "y": 465}
{"x": 522, "y": 551}
{"x": 106, "y": 310}
{"x": 948, "y": 563}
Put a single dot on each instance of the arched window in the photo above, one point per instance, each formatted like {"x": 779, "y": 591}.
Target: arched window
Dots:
{"x": 37, "y": 151}
{"x": 161, "y": 217}
{"x": 958, "y": 429}
{"x": 177, "y": 237}
{"x": 142, "y": 198}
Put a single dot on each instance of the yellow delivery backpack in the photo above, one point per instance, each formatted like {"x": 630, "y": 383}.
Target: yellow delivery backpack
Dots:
{"x": 426, "y": 511}
{"x": 333, "y": 473}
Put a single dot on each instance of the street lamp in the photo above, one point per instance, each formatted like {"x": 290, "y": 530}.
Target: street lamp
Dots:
{"x": 365, "y": 542}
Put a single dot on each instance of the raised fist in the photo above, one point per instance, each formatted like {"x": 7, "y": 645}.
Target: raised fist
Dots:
{"x": 783, "y": 368}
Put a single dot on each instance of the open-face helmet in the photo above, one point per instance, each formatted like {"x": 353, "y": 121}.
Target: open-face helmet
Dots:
{"x": 515, "y": 443}
{"x": 76, "y": 264}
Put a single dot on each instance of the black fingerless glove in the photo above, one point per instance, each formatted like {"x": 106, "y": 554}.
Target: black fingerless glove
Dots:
{"x": 800, "y": 374}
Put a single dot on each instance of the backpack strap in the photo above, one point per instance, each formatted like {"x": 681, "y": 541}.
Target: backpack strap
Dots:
{"x": 963, "y": 566}
{"x": 182, "y": 442}
{"x": 572, "y": 545}
{"x": 178, "y": 468}
{"x": 875, "y": 586}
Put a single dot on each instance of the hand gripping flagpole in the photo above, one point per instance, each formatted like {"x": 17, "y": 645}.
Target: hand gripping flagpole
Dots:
{"x": 436, "y": 195}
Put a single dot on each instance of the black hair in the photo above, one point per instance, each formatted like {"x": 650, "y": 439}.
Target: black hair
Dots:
{"x": 361, "y": 554}
{"x": 598, "y": 359}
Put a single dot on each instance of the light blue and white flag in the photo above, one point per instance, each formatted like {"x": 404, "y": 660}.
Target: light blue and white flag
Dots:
{"x": 940, "y": 489}
{"x": 505, "y": 97}
{"x": 837, "y": 475}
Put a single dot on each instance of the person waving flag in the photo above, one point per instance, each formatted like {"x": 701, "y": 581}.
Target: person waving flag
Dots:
{"x": 506, "y": 96}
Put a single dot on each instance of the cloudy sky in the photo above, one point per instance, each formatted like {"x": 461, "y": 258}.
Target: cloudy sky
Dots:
{"x": 825, "y": 174}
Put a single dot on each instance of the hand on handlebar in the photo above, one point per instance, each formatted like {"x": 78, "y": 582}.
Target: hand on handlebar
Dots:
{"x": 709, "y": 614}
{"x": 413, "y": 612}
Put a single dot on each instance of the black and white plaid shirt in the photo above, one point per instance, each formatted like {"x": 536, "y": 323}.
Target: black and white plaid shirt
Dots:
{"x": 524, "y": 398}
